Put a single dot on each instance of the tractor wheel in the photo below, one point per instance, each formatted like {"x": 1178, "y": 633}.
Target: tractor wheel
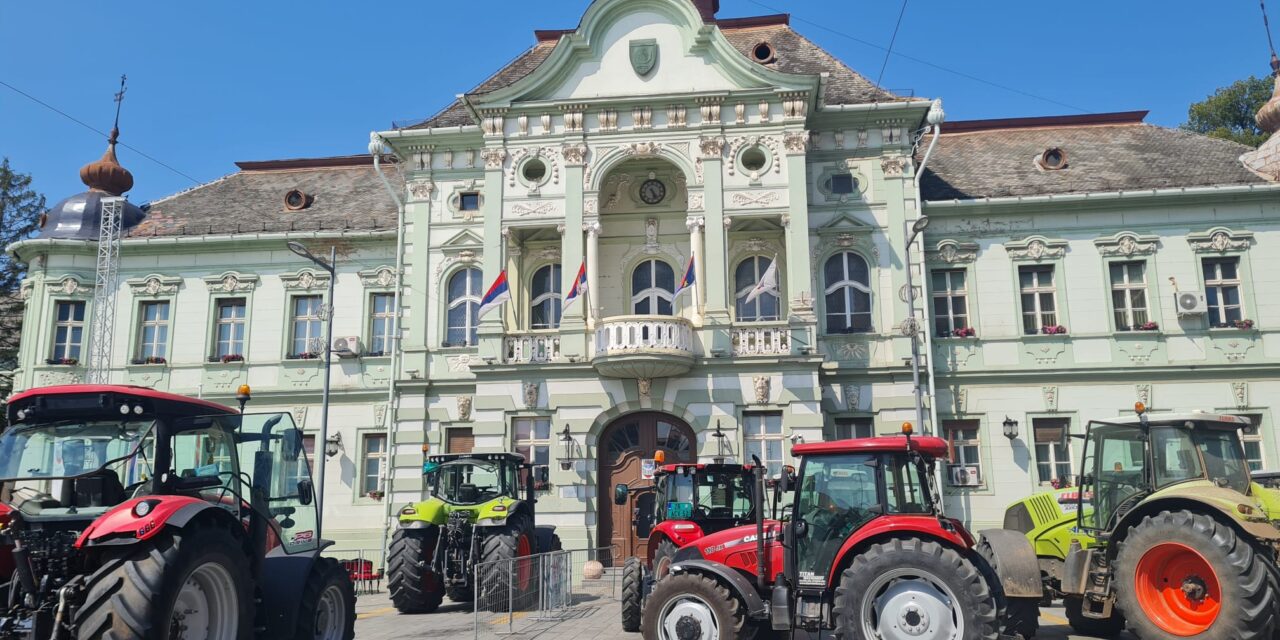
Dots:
{"x": 632, "y": 594}
{"x": 1086, "y": 626}
{"x": 505, "y": 580}
{"x": 461, "y": 594}
{"x": 662, "y": 558}
{"x": 905, "y": 587}
{"x": 1181, "y": 574}
{"x": 327, "y": 610}
{"x": 1019, "y": 617}
{"x": 191, "y": 584}
{"x": 689, "y": 606}
{"x": 414, "y": 587}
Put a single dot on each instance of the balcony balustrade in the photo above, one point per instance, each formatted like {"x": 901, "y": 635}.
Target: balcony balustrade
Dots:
{"x": 531, "y": 348}
{"x": 762, "y": 340}
{"x": 643, "y": 346}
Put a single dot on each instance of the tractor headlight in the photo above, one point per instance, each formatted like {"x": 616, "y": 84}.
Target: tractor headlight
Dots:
{"x": 141, "y": 509}
{"x": 408, "y": 511}
{"x": 124, "y": 409}
{"x": 491, "y": 522}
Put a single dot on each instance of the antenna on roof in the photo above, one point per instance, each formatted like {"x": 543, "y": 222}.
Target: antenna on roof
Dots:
{"x": 119, "y": 100}
{"x": 1275, "y": 61}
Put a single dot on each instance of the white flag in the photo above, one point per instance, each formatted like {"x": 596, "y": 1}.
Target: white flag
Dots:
{"x": 768, "y": 282}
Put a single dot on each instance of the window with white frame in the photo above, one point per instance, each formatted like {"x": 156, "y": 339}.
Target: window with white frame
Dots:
{"x": 382, "y": 312}
{"x": 846, "y": 428}
{"x": 964, "y": 443}
{"x": 1251, "y": 438}
{"x": 373, "y": 456}
{"x": 153, "y": 330}
{"x": 544, "y": 312}
{"x": 1222, "y": 291}
{"x": 748, "y": 273}
{"x": 533, "y": 441}
{"x": 950, "y": 302}
{"x": 1129, "y": 294}
{"x": 464, "y": 308}
{"x": 1053, "y": 450}
{"x": 653, "y": 285}
{"x": 305, "y": 338}
{"x": 68, "y": 330}
{"x": 1039, "y": 297}
{"x": 228, "y": 327}
{"x": 763, "y": 434}
{"x": 848, "y": 293}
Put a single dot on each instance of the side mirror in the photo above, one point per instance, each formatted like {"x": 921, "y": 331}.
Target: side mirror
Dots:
{"x": 787, "y": 482}
{"x": 620, "y": 494}
{"x": 800, "y": 528}
{"x": 306, "y": 491}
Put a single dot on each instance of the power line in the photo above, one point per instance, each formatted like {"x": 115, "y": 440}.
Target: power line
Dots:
{"x": 923, "y": 62}
{"x": 91, "y": 128}
{"x": 889, "y": 51}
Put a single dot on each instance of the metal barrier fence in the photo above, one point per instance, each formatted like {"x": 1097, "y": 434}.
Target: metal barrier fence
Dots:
{"x": 520, "y": 594}
{"x": 361, "y": 565}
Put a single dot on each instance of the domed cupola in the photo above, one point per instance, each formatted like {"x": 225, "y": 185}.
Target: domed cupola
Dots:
{"x": 80, "y": 216}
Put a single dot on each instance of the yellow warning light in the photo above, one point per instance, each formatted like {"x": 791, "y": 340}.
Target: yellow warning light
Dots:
{"x": 907, "y": 429}
{"x": 426, "y": 448}
{"x": 1139, "y": 408}
{"x": 660, "y": 457}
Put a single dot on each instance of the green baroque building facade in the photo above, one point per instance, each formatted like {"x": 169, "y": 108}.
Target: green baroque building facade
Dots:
{"x": 655, "y": 136}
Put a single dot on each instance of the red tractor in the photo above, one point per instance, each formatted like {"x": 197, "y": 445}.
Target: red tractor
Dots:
{"x": 147, "y": 515}
{"x": 689, "y": 501}
{"x": 865, "y": 552}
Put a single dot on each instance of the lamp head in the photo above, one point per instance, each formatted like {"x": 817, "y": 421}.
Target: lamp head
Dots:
{"x": 920, "y": 224}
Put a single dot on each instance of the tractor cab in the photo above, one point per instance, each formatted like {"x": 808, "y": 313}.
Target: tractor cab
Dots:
{"x": 470, "y": 479}
{"x": 1128, "y": 459}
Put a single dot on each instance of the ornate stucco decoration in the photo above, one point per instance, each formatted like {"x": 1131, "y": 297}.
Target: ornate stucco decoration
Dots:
{"x": 795, "y": 105}
{"x": 530, "y": 395}
{"x": 574, "y": 154}
{"x": 1143, "y": 392}
{"x": 381, "y": 278}
{"x": 24, "y": 290}
{"x": 1220, "y": 240}
{"x": 1240, "y": 393}
{"x": 71, "y": 286}
{"x": 544, "y": 208}
{"x": 300, "y": 415}
{"x": 645, "y": 149}
{"x": 421, "y": 189}
{"x": 154, "y": 285}
{"x": 305, "y": 280}
{"x": 1050, "y": 398}
{"x": 379, "y": 413}
{"x": 755, "y": 198}
{"x": 697, "y": 201}
{"x": 761, "y": 385}
{"x": 464, "y": 408}
{"x": 962, "y": 400}
{"x": 1127, "y": 244}
{"x": 895, "y": 166}
{"x": 645, "y": 387}
{"x": 590, "y": 205}
{"x": 677, "y": 116}
{"x": 768, "y": 142}
{"x": 852, "y": 397}
{"x": 460, "y": 363}
{"x": 709, "y": 109}
{"x": 642, "y": 117}
{"x": 464, "y": 256}
{"x": 494, "y": 158}
{"x": 711, "y": 146}
{"x": 232, "y": 282}
{"x": 795, "y": 142}
{"x": 763, "y": 109}
{"x": 651, "y": 245}
{"x": 955, "y": 252}
{"x": 1036, "y": 248}
{"x": 573, "y": 116}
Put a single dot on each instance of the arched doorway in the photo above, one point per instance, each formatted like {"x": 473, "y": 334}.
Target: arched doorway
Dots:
{"x": 624, "y": 446}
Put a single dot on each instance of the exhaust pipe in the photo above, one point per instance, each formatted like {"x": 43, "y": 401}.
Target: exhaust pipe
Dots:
{"x": 762, "y": 580}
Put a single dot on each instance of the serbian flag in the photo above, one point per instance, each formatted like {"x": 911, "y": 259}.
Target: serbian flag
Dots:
{"x": 498, "y": 293}
{"x": 687, "y": 281}
{"x": 768, "y": 282}
{"x": 578, "y": 288}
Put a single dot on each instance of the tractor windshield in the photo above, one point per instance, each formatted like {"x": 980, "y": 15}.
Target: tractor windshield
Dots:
{"x": 72, "y": 449}
{"x": 470, "y": 481}
{"x": 1116, "y": 454}
{"x": 707, "y": 495}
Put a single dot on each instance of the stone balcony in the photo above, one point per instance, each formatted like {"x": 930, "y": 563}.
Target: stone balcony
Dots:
{"x": 643, "y": 347}
{"x": 535, "y": 347}
{"x": 773, "y": 339}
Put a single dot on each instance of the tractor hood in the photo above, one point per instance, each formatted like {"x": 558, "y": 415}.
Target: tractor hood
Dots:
{"x": 1249, "y": 511}
{"x": 436, "y": 511}
{"x": 717, "y": 545}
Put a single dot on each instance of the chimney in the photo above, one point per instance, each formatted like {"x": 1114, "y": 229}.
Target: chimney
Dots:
{"x": 708, "y": 9}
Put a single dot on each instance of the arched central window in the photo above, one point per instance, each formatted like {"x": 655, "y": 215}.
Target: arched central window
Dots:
{"x": 765, "y": 307}
{"x": 545, "y": 305}
{"x": 848, "y": 293}
{"x": 464, "y": 307}
{"x": 653, "y": 284}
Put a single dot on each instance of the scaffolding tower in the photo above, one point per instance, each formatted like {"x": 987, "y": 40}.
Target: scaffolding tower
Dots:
{"x": 106, "y": 284}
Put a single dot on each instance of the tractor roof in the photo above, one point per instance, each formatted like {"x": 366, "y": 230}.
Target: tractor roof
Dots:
{"x": 102, "y": 397}
{"x": 1223, "y": 419}
{"x": 927, "y": 445}
{"x": 491, "y": 457}
{"x": 712, "y": 467}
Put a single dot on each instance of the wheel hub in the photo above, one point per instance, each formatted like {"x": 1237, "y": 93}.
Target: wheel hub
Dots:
{"x": 913, "y": 619}
{"x": 689, "y": 619}
{"x": 207, "y": 606}
{"x": 1177, "y": 589}
{"x": 910, "y": 607}
{"x": 1194, "y": 588}
{"x": 688, "y": 628}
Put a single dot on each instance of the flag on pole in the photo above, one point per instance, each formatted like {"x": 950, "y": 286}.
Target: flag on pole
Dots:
{"x": 768, "y": 282}
{"x": 579, "y": 287}
{"x": 498, "y": 293}
{"x": 687, "y": 281}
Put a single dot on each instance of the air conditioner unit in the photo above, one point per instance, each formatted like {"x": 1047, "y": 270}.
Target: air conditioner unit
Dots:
{"x": 347, "y": 346}
{"x": 1190, "y": 303}
{"x": 966, "y": 475}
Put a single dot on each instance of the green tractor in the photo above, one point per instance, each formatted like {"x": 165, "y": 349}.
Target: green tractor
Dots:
{"x": 1177, "y": 539}
{"x": 474, "y": 515}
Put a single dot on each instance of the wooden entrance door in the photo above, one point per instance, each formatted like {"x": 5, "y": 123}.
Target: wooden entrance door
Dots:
{"x": 623, "y": 448}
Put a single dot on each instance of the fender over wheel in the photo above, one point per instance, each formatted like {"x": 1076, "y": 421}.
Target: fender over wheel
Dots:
{"x": 1019, "y": 617}
{"x": 663, "y": 556}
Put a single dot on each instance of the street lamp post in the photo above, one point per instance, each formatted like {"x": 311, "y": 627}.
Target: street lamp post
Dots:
{"x": 332, "y": 269}
{"x": 916, "y": 229}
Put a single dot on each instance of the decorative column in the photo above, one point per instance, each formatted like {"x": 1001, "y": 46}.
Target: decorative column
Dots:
{"x": 490, "y": 332}
{"x": 572, "y": 325}
{"x": 695, "y": 224}
{"x": 592, "y": 227}
{"x": 712, "y": 152}
{"x": 796, "y": 223}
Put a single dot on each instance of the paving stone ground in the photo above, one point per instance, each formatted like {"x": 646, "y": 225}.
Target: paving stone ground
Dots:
{"x": 594, "y": 616}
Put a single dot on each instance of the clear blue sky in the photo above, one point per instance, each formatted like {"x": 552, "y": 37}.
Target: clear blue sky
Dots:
{"x": 215, "y": 82}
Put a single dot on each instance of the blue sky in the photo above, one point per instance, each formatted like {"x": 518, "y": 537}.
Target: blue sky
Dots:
{"x": 212, "y": 83}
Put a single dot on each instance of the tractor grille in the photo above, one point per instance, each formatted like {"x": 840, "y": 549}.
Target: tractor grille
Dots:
{"x": 1044, "y": 509}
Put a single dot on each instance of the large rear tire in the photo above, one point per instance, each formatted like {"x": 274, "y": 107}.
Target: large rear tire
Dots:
{"x": 194, "y": 583}
{"x": 505, "y": 580}
{"x": 904, "y": 587}
{"x": 327, "y": 610}
{"x": 689, "y": 606}
{"x": 414, "y": 587}
{"x": 1100, "y": 627}
{"x": 1182, "y": 574}
{"x": 663, "y": 556}
{"x": 632, "y": 594}
{"x": 1019, "y": 617}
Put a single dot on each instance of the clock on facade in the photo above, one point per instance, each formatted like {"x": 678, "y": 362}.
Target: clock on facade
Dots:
{"x": 652, "y": 191}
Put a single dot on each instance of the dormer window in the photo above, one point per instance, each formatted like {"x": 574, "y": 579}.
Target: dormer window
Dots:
{"x": 1052, "y": 159}
{"x": 763, "y": 53}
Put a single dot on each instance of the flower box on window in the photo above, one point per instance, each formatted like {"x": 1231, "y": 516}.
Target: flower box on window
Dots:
{"x": 1149, "y": 326}
{"x": 964, "y": 332}
{"x": 149, "y": 360}
{"x": 377, "y": 495}
{"x": 1053, "y": 329}
{"x": 1245, "y": 324}
{"x": 303, "y": 356}
{"x": 227, "y": 359}
{"x": 66, "y": 362}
